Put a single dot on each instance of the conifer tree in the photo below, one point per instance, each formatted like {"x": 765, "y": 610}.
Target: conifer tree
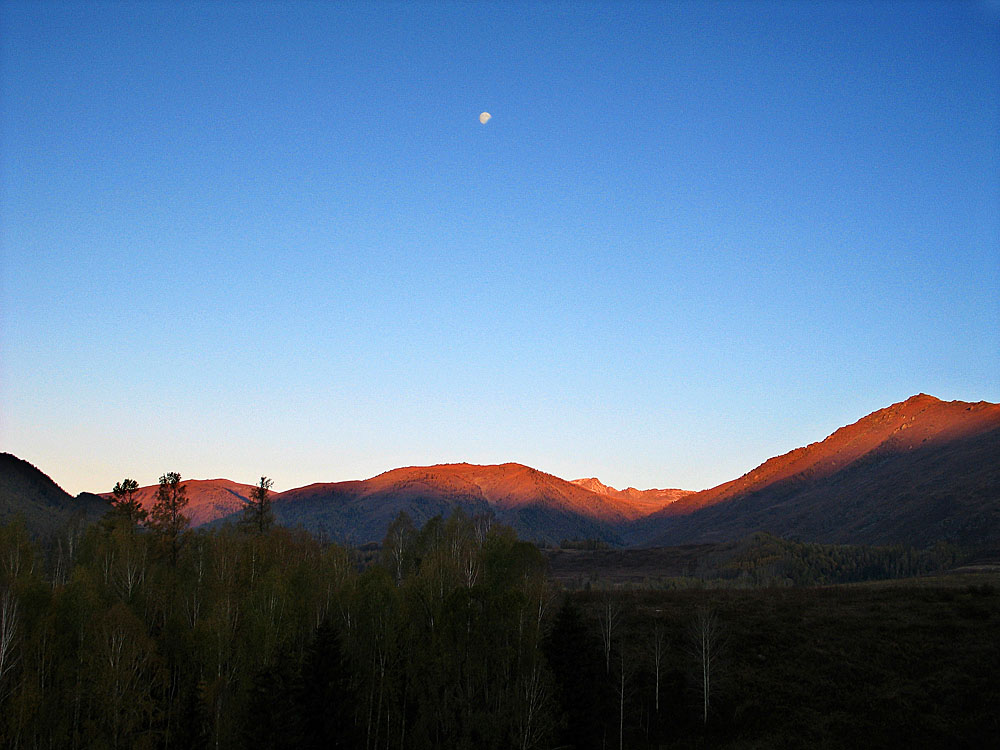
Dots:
{"x": 124, "y": 503}
{"x": 167, "y": 517}
{"x": 257, "y": 515}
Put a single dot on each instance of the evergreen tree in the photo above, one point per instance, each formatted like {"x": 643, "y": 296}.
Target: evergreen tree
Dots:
{"x": 124, "y": 503}
{"x": 326, "y": 701}
{"x": 167, "y": 517}
{"x": 272, "y": 713}
{"x": 583, "y": 692}
{"x": 257, "y": 515}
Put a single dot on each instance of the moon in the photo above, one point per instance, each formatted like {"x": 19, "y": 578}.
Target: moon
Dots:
{"x": 485, "y": 117}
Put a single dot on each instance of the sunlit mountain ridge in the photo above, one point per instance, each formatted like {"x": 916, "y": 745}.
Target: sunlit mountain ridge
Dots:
{"x": 918, "y": 471}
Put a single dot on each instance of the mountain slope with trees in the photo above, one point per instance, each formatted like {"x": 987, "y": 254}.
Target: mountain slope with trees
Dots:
{"x": 916, "y": 472}
{"x": 27, "y": 492}
{"x": 537, "y": 505}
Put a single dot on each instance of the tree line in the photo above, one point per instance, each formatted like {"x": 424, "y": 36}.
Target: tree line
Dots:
{"x": 761, "y": 560}
{"x": 139, "y": 632}
{"x": 766, "y": 560}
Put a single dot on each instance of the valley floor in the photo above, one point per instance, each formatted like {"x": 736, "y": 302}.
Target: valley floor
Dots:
{"x": 910, "y": 663}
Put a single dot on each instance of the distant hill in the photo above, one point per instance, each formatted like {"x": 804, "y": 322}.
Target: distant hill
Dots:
{"x": 537, "y": 505}
{"x": 208, "y": 499}
{"x": 915, "y": 472}
{"x": 45, "y": 507}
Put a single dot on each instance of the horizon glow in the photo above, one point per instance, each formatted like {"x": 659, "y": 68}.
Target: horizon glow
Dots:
{"x": 251, "y": 238}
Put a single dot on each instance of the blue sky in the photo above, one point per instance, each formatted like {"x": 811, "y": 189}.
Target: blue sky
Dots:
{"x": 242, "y": 239}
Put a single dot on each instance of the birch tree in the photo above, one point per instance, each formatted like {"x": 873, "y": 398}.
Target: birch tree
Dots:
{"x": 397, "y": 547}
{"x": 119, "y": 660}
{"x": 9, "y": 624}
{"x": 611, "y": 610}
{"x": 659, "y": 649}
{"x": 706, "y": 639}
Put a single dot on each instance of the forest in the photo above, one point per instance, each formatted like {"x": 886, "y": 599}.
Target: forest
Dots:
{"x": 756, "y": 561}
{"x": 136, "y": 632}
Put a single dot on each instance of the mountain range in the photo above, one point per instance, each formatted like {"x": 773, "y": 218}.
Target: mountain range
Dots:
{"x": 539, "y": 506}
{"x": 916, "y": 472}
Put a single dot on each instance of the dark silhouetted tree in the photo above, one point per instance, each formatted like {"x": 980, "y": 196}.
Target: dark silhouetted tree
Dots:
{"x": 576, "y": 657}
{"x": 167, "y": 518}
{"x": 257, "y": 515}
{"x": 272, "y": 714}
{"x": 124, "y": 503}
{"x": 327, "y": 702}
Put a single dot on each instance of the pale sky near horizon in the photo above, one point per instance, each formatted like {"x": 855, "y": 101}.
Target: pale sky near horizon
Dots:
{"x": 274, "y": 238}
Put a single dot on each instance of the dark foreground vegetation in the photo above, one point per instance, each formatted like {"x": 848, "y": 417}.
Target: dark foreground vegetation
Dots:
{"x": 135, "y": 633}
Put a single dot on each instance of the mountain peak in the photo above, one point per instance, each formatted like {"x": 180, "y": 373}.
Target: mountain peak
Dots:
{"x": 827, "y": 488}
{"x": 594, "y": 485}
{"x": 639, "y": 503}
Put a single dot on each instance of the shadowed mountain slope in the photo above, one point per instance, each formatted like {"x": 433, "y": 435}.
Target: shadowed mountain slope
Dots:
{"x": 45, "y": 507}
{"x": 915, "y": 472}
